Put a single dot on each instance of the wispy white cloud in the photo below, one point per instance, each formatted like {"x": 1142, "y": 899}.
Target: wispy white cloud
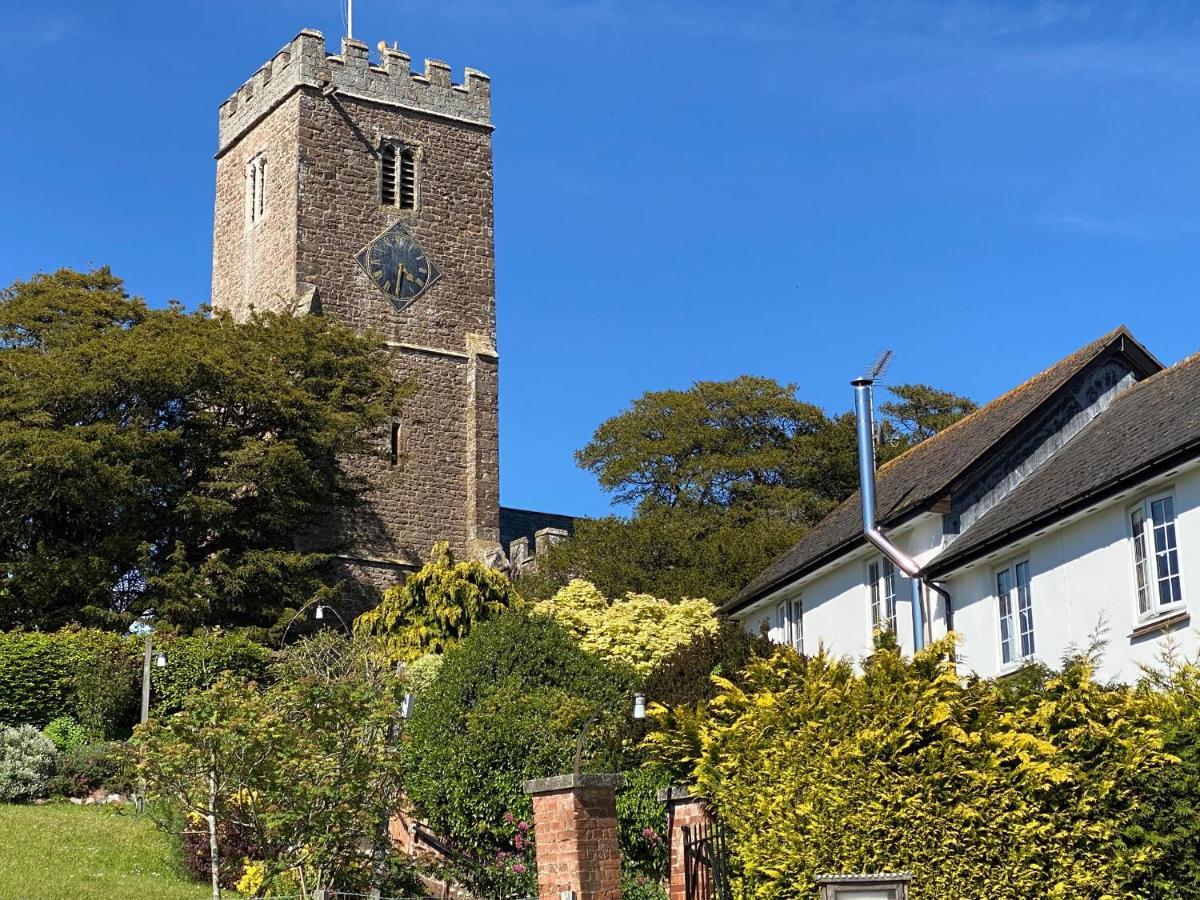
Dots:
{"x": 1116, "y": 228}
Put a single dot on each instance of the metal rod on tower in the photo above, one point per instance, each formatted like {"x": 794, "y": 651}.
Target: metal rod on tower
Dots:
{"x": 350, "y": 18}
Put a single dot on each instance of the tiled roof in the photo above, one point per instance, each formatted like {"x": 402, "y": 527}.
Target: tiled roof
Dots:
{"x": 1152, "y": 425}
{"x": 919, "y": 478}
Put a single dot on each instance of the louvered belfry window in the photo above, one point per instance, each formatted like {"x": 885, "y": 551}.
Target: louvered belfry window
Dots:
{"x": 398, "y": 176}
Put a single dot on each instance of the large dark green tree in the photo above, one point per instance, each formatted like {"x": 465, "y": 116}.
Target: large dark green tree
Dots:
{"x": 722, "y": 478}
{"x": 919, "y": 412}
{"x": 150, "y": 457}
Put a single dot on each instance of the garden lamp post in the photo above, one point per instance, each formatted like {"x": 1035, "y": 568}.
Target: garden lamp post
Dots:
{"x": 143, "y": 626}
{"x": 318, "y": 614}
{"x": 639, "y": 712}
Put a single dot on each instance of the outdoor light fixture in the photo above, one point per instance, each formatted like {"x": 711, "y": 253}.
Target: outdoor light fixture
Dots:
{"x": 884, "y": 886}
{"x": 406, "y": 706}
{"x": 639, "y": 706}
{"x": 320, "y": 614}
{"x": 161, "y": 660}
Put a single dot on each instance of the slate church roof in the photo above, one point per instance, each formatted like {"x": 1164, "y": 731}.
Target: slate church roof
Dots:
{"x": 516, "y": 523}
{"x": 922, "y": 478}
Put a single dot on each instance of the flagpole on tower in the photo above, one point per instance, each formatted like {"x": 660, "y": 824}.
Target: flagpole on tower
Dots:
{"x": 350, "y": 19}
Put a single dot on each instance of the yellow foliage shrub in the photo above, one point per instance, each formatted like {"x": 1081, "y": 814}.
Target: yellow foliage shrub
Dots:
{"x": 637, "y": 629}
{"x": 980, "y": 790}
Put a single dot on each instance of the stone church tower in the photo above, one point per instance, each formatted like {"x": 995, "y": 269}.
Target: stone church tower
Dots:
{"x": 363, "y": 190}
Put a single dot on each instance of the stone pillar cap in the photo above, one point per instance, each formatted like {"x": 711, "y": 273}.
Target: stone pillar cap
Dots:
{"x": 677, "y": 792}
{"x": 571, "y": 782}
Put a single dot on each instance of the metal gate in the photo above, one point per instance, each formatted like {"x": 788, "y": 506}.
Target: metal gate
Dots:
{"x": 706, "y": 873}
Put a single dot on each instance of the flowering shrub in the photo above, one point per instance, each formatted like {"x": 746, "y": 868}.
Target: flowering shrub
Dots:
{"x": 642, "y": 830}
{"x": 82, "y": 770}
{"x": 236, "y": 844}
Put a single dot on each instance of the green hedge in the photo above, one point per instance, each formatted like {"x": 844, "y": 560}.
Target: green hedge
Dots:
{"x": 94, "y": 677}
{"x": 34, "y": 679}
{"x": 1058, "y": 787}
{"x": 195, "y": 662}
{"x": 87, "y": 675}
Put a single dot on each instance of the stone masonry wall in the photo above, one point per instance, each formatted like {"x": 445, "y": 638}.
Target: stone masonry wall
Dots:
{"x": 254, "y": 265}
{"x": 334, "y": 112}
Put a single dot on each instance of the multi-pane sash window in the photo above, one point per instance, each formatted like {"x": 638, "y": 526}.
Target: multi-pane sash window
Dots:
{"x": 788, "y": 623}
{"x": 794, "y": 634}
{"x": 882, "y": 577}
{"x": 1155, "y": 554}
{"x": 256, "y": 188}
{"x": 1016, "y": 613}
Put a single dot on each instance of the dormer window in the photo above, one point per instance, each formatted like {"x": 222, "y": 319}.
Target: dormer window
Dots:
{"x": 256, "y": 188}
{"x": 398, "y": 176}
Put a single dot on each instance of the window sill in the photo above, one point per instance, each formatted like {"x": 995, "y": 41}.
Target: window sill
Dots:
{"x": 1161, "y": 624}
{"x": 1015, "y": 668}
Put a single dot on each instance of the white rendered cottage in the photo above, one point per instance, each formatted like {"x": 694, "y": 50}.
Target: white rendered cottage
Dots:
{"x": 1067, "y": 505}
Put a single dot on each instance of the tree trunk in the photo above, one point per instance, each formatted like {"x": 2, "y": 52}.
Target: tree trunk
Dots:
{"x": 214, "y": 854}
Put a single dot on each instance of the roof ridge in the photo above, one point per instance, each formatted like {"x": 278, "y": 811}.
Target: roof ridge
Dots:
{"x": 924, "y": 472}
{"x": 933, "y": 440}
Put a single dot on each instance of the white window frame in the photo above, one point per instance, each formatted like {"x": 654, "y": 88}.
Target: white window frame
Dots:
{"x": 256, "y": 189}
{"x": 1144, "y": 556}
{"x": 1016, "y": 624}
{"x": 789, "y": 623}
{"x": 882, "y": 585}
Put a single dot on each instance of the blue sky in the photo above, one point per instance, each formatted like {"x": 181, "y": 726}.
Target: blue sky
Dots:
{"x": 685, "y": 190}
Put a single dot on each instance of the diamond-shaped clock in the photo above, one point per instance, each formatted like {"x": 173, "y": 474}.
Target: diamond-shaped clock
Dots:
{"x": 398, "y": 265}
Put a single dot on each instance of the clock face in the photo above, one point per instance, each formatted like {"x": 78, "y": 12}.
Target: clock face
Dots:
{"x": 398, "y": 265}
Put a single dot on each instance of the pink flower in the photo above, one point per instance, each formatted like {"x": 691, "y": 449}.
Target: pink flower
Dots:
{"x": 518, "y": 868}
{"x": 651, "y": 835}
{"x": 523, "y": 825}
{"x": 508, "y": 817}
{"x": 519, "y": 842}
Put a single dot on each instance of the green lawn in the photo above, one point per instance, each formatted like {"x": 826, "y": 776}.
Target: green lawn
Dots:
{"x": 67, "y": 852}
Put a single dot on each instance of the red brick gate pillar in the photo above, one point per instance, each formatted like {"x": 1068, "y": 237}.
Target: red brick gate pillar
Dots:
{"x": 575, "y": 832}
{"x": 683, "y": 810}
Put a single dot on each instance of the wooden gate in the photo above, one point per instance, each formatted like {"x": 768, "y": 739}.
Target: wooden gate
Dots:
{"x": 706, "y": 863}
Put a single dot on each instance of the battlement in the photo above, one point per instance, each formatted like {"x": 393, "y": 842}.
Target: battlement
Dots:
{"x": 304, "y": 63}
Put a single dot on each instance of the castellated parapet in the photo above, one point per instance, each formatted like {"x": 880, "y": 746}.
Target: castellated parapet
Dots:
{"x": 391, "y": 81}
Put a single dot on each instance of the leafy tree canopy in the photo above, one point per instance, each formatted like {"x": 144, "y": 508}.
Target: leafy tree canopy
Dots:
{"x": 436, "y": 607}
{"x": 722, "y": 477}
{"x": 151, "y": 457}
{"x": 919, "y": 412}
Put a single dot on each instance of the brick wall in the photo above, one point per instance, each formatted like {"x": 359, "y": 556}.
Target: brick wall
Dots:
{"x": 683, "y": 811}
{"x": 575, "y": 829}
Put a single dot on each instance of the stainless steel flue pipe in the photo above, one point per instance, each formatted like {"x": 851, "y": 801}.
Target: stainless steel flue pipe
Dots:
{"x": 864, "y": 414}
